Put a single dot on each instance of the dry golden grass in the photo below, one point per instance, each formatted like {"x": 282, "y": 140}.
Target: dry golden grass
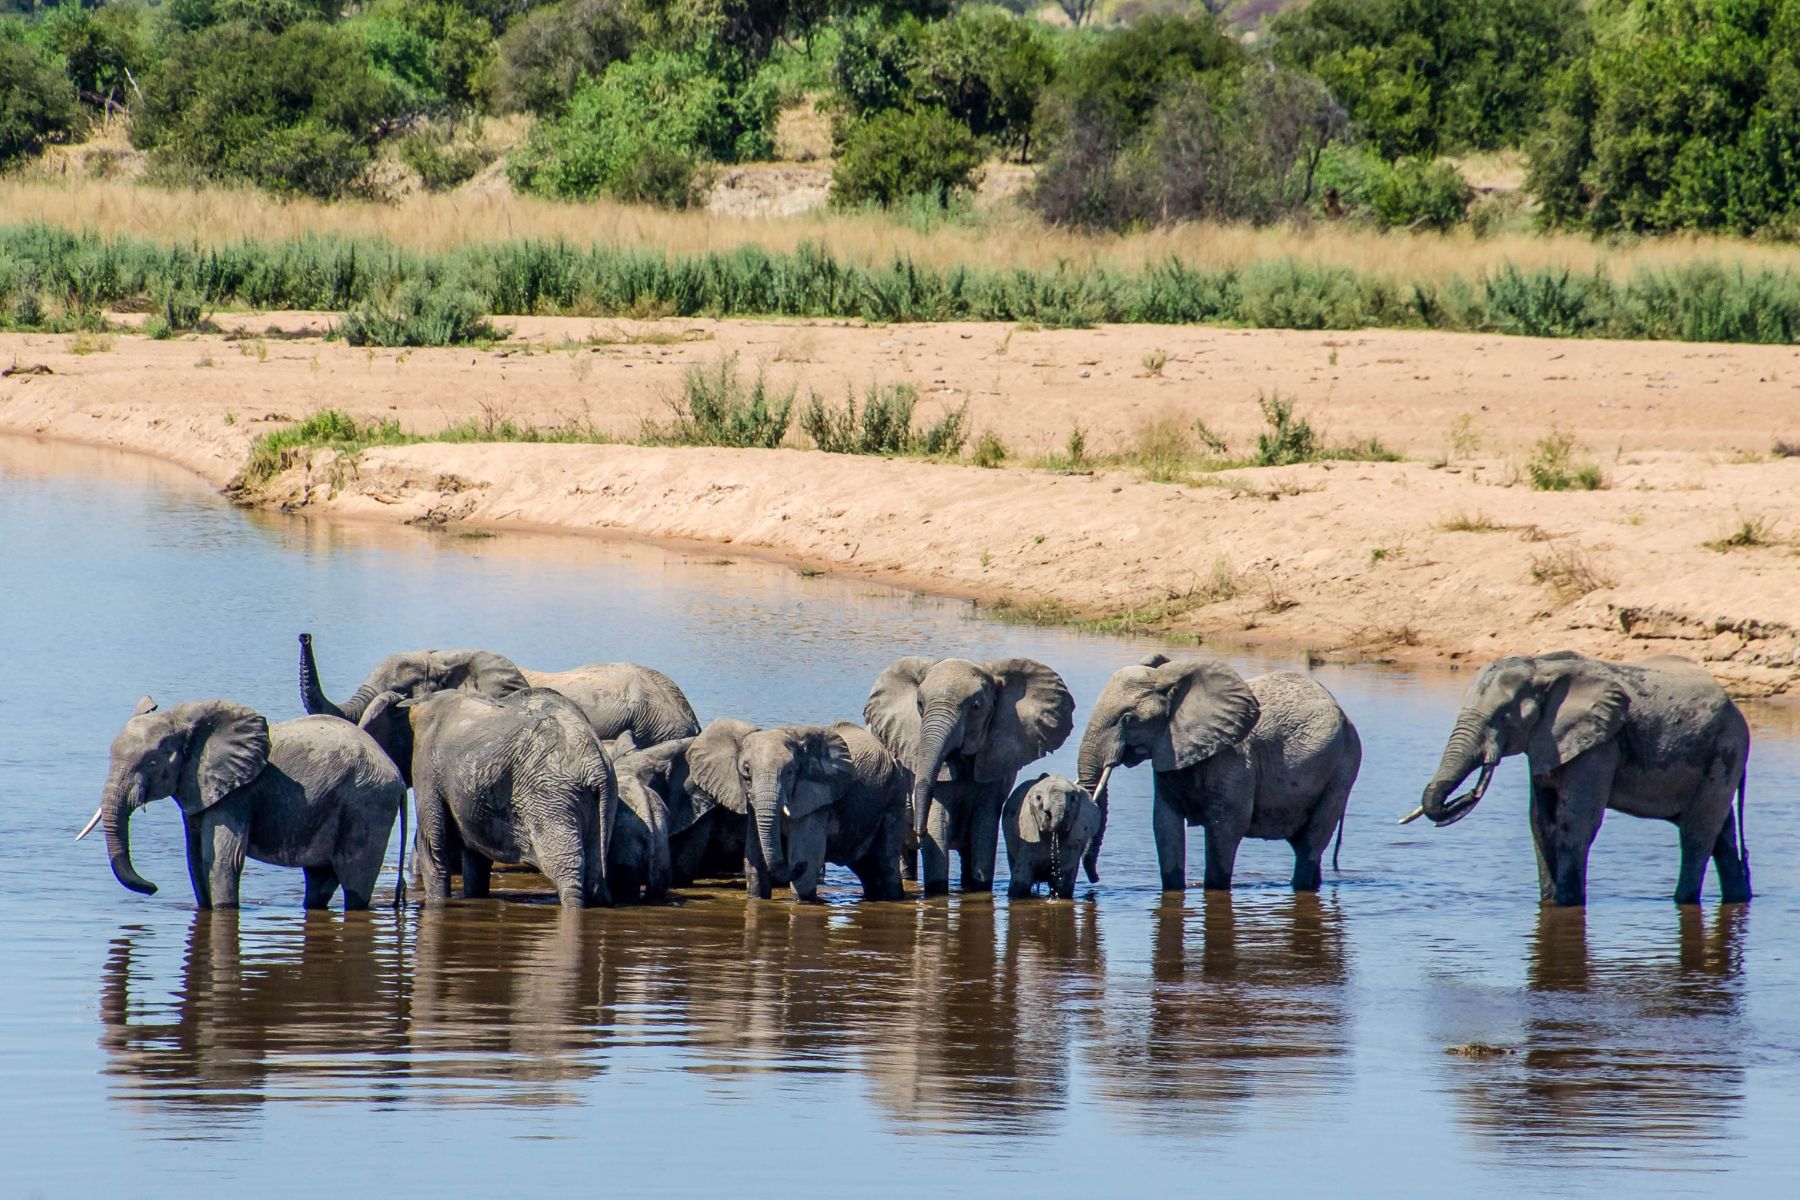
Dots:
{"x": 439, "y": 222}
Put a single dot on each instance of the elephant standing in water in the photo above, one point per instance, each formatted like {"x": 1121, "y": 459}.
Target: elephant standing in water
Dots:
{"x": 1656, "y": 738}
{"x": 814, "y": 794}
{"x": 964, "y": 731}
{"x": 313, "y": 793}
{"x": 705, "y": 835}
{"x": 515, "y": 780}
{"x": 1271, "y": 757}
{"x": 1049, "y": 823}
{"x": 615, "y": 698}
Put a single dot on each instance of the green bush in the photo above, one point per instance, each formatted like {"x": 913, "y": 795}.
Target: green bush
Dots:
{"x": 884, "y": 425}
{"x": 545, "y": 55}
{"x": 895, "y": 155}
{"x": 1412, "y": 193}
{"x": 270, "y": 16}
{"x": 440, "y": 159}
{"x": 37, "y": 105}
{"x": 1289, "y": 439}
{"x": 717, "y": 408}
{"x": 1686, "y": 115}
{"x": 296, "y": 113}
{"x": 418, "y": 314}
{"x": 328, "y": 429}
{"x": 101, "y": 48}
{"x": 641, "y": 131}
{"x": 431, "y": 52}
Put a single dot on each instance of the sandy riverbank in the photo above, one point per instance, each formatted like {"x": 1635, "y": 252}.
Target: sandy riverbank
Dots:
{"x": 1424, "y": 559}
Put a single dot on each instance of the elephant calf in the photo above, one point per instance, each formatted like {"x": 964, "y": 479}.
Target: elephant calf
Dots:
{"x": 705, "y": 836}
{"x": 1049, "y": 822}
{"x": 1654, "y": 738}
{"x": 516, "y": 780}
{"x": 316, "y": 793}
{"x": 1270, "y": 757}
{"x": 814, "y": 794}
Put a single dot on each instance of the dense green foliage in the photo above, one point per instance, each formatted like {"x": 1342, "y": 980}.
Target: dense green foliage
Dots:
{"x": 37, "y": 103}
{"x": 897, "y": 154}
{"x": 1685, "y": 116}
{"x": 50, "y": 279}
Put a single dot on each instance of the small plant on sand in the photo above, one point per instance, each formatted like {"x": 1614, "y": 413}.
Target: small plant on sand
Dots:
{"x": 1569, "y": 572}
{"x": 1221, "y": 585}
{"x": 1076, "y": 448}
{"x": 716, "y": 407}
{"x": 86, "y": 342}
{"x": 1785, "y": 449}
{"x": 1750, "y": 532}
{"x": 1462, "y": 521}
{"x": 1154, "y": 362}
{"x": 1465, "y": 439}
{"x": 990, "y": 451}
{"x": 1213, "y": 443}
{"x": 1289, "y": 440}
{"x": 327, "y": 429}
{"x": 1552, "y": 466}
{"x": 884, "y": 425}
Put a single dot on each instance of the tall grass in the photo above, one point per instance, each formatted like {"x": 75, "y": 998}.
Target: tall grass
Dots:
{"x": 53, "y": 279}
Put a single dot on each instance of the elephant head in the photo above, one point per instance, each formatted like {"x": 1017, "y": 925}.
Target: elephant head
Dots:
{"x": 996, "y": 717}
{"x": 199, "y": 753}
{"x": 777, "y": 777}
{"x": 1550, "y": 708}
{"x": 637, "y": 859}
{"x": 1169, "y": 714}
{"x": 384, "y": 719}
{"x": 414, "y": 674}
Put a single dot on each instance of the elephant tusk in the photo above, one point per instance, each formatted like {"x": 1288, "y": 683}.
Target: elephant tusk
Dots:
{"x": 1100, "y": 786}
{"x": 89, "y": 827}
{"x": 1412, "y": 816}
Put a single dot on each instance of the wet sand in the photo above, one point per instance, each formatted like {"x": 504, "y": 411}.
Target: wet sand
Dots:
{"x": 1449, "y": 556}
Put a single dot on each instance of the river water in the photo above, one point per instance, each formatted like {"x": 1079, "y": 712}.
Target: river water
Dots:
{"x": 1259, "y": 1042}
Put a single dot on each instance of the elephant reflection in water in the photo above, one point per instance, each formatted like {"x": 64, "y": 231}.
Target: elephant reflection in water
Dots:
{"x": 1626, "y": 1053}
{"x": 322, "y": 1009}
{"x": 1244, "y": 998}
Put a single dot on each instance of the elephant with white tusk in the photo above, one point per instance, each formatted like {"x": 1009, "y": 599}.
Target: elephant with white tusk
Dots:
{"x": 1270, "y": 757}
{"x": 1654, "y": 738}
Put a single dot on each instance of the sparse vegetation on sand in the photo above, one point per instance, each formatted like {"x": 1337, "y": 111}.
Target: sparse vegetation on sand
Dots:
{"x": 884, "y": 424}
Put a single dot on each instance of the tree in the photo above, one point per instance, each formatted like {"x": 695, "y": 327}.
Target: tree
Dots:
{"x": 895, "y": 155}
{"x": 37, "y": 104}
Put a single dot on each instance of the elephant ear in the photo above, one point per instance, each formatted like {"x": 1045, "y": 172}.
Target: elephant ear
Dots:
{"x": 1031, "y": 820}
{"x": 827, "y": 771}
{"x": 1210, "y": 708}
{"x": 620, "y": 746}
{"x": 229, "y": 747}
{"x": 483, "y": 671}
{"x": 712, "y": 763}
{"x": 144, "y": 705}
{"x": 892, "y": 711}
{"x": 1086, "y": 825}
{"x": 1583, "y": 709}
{"x": 1033, "y": 715}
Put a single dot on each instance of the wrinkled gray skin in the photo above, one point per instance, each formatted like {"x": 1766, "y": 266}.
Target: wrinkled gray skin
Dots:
{"x": 963, "y": 731}
{"x": 516, "y": 780}
{"x": 705, "y": 837}
{"x": 813, "y": 794}
{"x": 615, "y": 698}
{"x": 312, "y": 793}
{"x": 638, "y": 865}
{"x": 1049, "y": 823}
{"x": 1272, "y": 757}
{"x": 1654, "y": 738}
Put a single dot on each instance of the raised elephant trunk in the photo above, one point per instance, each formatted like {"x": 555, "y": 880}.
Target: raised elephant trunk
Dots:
{"x": 124, "y": 792}
{"x": 1466, "y": 750}
{"x": 312, "y": 696}
{"x": 767, "y": 803}
{"x": 937, "y": 726}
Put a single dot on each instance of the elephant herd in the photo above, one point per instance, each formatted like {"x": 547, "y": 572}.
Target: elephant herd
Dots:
{"x": 602, "y": 779}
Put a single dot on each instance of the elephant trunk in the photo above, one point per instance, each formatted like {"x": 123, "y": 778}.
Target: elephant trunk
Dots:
{"x": 767, "y": 803}
{"x": 661, "y": 871}
{"x": 1101, "y": 750}
{"x": 312, "y": 696}
{"x": 937, "y": 727}
{"x": 124, "y": 792}
{"x": 1464, "y": 752}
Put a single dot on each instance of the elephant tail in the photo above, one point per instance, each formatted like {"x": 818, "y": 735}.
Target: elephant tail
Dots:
{"x": 1339, "y": 843}
{"x": 400, "y": 878}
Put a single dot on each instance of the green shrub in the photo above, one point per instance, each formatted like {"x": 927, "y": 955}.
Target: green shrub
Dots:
{"x": 547, "y": 53}
{"x": 418, "y": 314}
{"x": 328, "y": 429}
{"x": 716, "y": 407}
{"x": 990, "y": 451}
{"x": 642, "y": 129}
{"x": 895, "y": 155}
{"x": 1552, "y": 466}
{"x": 441, "y": 161}
{"x": 37, "y": 105}
{"x": 296, "y": 113}
{"x": 101, "y": 48}
{"x": 1413, "y": 192}
{"x": 1289, "y": 439}
{"x": 431, "y": 52}
{"x": 884, "y": 425}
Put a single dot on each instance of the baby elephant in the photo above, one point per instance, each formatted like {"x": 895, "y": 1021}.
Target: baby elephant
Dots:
{"x": 315, "y": 793}
{"x": 516, "y": 780}
{"x": 1048, "y": 822}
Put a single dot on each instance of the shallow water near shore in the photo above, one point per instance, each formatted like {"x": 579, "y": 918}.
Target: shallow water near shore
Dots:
{"x": 1129, "y": 1040}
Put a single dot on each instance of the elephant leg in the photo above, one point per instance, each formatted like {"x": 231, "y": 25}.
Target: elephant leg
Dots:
{"x": 934, "y": 849}
{"x": 1696, "y": 847}
{"x": 909, "y": 864}
{"x": 757, "y": 882}
{"x": 195, "y": 866}
{"x": 1221, "y": 857}
{"x": 477, "y": 874}
{"x": 981, "y": 842}
{"x": 1315, "y": 836}
{"x": 1171, "y": 843}
{"x": 1734, "y": 874}
{"x": 1577, "y": 824}
{"x": 322, "y": 885}
{"x": 1543, "y": 822}
{"x": 1020, "y": 886}
{"x": 437, "y": 841}
{"x": 223, "y": 842}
